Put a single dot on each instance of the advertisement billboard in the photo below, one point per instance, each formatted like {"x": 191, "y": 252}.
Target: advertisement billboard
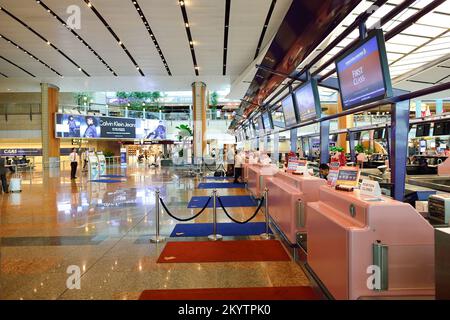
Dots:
{"x": 363, "y": 72}
{"x": 95, "y": 127}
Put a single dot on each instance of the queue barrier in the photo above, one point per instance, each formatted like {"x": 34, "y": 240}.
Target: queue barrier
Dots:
{"x": 215, "y": 198}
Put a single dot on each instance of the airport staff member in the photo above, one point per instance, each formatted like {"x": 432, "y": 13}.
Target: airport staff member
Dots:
{"x": 74, "y": 158}
{"x": 324, "y": 170}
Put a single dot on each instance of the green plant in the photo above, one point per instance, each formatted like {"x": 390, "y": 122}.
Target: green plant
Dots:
{"x": 83, "y": 98}
{"x": 108, "y": 153}
{"x": 359, "y": 148}
{"x": 336, "y": 149}
{"x": 184, "y": 131}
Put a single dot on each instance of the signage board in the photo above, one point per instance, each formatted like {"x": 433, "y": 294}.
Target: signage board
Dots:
{"x": 348, "y": 176}
{"x": 370, "y": 188}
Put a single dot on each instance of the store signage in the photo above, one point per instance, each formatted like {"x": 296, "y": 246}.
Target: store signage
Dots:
{"x": 370, "y": 188}
{"x": 95, "y": 127}
{"x": 29, "y": 152}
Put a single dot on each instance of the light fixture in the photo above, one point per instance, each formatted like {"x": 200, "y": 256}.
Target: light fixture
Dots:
{"x": 181, "y": 3}
{"x": 187, "y": 25}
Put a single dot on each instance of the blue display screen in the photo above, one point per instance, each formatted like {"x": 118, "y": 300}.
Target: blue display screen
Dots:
{"x": 360, "y": 74}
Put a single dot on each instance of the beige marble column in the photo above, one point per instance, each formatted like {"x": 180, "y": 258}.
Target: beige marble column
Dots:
{"x": 200, "y": 104}
{"x": 49, "y": 107}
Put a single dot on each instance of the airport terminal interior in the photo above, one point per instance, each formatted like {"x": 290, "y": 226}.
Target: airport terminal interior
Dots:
{"x": 224, "y": 149}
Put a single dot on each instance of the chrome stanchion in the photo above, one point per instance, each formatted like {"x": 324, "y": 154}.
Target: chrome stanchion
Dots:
{"x": 157, "y": 238}
{"x": 266, "y": 235}
{"x": 214, "y": 236}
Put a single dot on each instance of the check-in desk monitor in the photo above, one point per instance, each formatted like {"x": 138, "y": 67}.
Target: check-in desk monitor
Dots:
{"x": 364, "y": 246}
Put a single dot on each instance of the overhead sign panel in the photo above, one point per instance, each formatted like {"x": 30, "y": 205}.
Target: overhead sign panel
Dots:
{"x": 363, "y": 72}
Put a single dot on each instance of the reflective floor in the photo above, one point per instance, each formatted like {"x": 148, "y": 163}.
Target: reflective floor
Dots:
{"x": 55, "y": 224}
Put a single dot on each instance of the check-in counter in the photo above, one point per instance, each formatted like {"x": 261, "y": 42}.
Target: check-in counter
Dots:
{"x": 256, "y": 174}
{"x": 350, "y": 236}
{"x": 288, "y": 196}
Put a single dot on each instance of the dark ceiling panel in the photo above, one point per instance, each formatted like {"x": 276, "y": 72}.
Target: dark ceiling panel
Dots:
{"x": 304, "y": 27}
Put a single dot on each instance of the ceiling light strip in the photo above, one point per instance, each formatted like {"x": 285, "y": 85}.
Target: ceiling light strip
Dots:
{"x": 44, "y": 39}
{"x": 189, "y": 35}
{"x": 29, "y": 54}
{"x": 152, "y": 35}
{"x": 77, "y": 36}
{"x": 100, "y": 17}
{"x": 266, "y": 24}
{"x": 9, "y": 61}
{"x": 225, "y": 35}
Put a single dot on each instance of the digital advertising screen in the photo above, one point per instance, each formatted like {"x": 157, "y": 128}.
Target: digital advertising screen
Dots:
{"x": 290, "y": 117}
{"x": 363, "y": 73}
{"x": 308, "y": 101}
{"x": 267, "y": 120}
{"x": 95, "y": 127}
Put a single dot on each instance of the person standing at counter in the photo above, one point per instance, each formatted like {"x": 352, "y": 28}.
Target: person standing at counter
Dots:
{"x": 324, "y": 170}
{"x": 3, "y": 171}
{"x": 73, "y": 164}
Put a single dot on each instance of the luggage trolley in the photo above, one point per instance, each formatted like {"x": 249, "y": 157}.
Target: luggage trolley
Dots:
{"x": 15, "y": 184}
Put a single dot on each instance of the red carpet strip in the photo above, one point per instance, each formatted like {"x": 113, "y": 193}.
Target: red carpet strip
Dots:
{"x": 223, "y": 251}
{"x": 265, "y": 293}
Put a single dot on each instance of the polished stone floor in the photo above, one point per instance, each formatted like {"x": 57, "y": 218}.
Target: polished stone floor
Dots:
{"x": 55, "y": 223}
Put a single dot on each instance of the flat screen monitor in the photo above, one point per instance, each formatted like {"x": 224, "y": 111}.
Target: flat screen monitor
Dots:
{"x": 308, "y": 101}
{"x": 363, "y": 72}
{"x": 290, "y": 117}
{"x": 441, "y": 128}
{"x": 379, "y": 133}
{"x": 260, "y": 123}
{"x": 423, "y": 130}
{"x": 267, "y": 120}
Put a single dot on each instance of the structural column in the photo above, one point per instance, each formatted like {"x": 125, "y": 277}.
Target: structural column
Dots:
{"x": 50, "y": 144}
{"x": 345, "y": 122}
{"x": 200, "y": 104}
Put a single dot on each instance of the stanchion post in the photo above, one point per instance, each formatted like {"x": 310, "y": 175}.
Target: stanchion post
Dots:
{"x": 157, "y": 238}
{"x": 214, "y": 236}
{"x": 266, "y": 235}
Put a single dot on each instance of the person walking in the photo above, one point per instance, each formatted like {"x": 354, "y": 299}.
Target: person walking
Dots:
{"x": 3, "y": 171}
{"x": 73, "y": 163}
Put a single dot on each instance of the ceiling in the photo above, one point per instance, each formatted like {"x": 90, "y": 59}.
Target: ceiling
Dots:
{"x": 132, "y": 44}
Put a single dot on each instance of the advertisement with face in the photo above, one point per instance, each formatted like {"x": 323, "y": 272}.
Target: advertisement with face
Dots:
{"x": 151, "y": 129}
{"x": 91, "y": 127}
